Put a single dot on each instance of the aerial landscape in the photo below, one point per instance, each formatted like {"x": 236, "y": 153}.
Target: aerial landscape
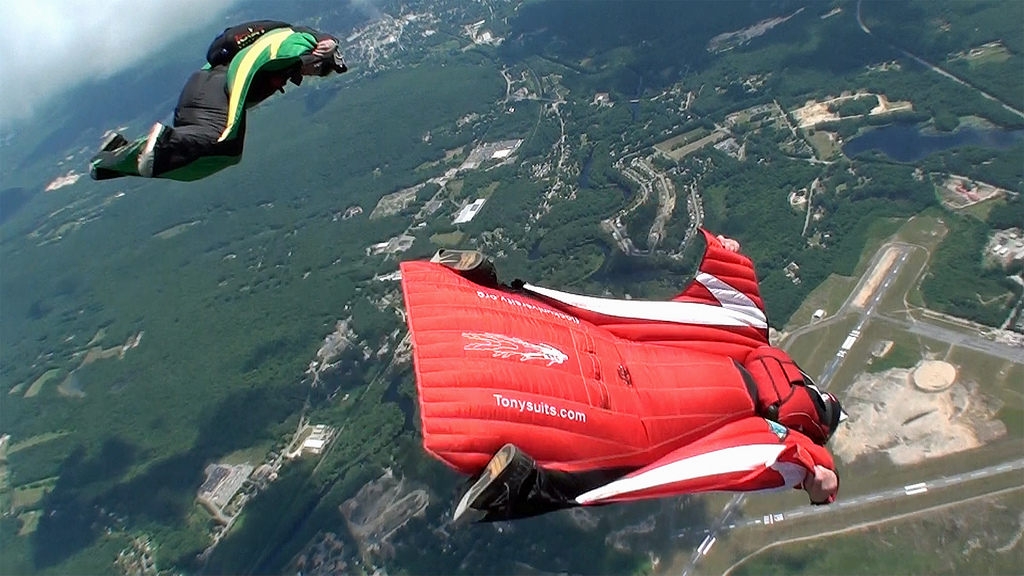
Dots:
{"x": 216, "y": 377}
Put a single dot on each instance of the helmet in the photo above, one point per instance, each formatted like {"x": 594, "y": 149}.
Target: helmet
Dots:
{"x": 829, "y": 411}
{"x": 783, "y": 392}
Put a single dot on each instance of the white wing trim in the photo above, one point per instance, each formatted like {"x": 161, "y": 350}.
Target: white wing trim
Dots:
{"x": 727, "y": 460}
{"x": 730, "y": 297}
{"x": 665, "y": 311}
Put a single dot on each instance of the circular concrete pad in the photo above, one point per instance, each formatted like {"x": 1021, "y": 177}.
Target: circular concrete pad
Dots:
{"x": 934, "y": 375}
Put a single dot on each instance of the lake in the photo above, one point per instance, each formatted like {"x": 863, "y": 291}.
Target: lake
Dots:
{"x": 906, "y": 142}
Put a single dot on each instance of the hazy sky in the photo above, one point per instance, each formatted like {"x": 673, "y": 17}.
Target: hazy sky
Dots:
{"x": 48, "y": 46}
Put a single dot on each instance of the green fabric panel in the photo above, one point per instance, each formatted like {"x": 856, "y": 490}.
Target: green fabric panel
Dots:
{"x": 275, "y": 50}
{"x": 201, "y": 168}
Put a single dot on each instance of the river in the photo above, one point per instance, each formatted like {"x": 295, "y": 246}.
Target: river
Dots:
{"x": 908, "y": 143}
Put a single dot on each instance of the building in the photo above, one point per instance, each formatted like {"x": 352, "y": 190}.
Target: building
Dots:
{"x": 469, "y": 211}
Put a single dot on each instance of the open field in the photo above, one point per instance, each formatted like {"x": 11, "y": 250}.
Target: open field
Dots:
{"x": 254, "y": 455}
{"x": 828, "y": 296}
{"x": 488, "y": 190}
{"x": 37, "y": 386}
{"x": 677, "y": 142}
{"x": 29, "y": 522}
{"x": 24, "y": 497}
{"x": 34, "y": 440}
{"x": 678, "y": 147}
{"x": 448, "y": 239}
{"x": 175, "y": 230}
{"x": 990, "y": 53}
{"x": 824, "y": 143}
{"x": 693, "y": 147}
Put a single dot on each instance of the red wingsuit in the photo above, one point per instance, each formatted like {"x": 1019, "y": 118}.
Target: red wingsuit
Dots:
{"x": 687, "y": 394}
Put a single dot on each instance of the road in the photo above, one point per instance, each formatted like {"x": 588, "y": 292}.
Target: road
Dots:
{"x": 983, "y": 345}
{"x": 935, "y": 68}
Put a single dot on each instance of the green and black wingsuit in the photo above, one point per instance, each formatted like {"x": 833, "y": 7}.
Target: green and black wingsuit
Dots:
{"x": 245, "y": 65}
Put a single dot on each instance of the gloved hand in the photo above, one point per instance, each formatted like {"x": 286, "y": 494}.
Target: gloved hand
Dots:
{"x": 821, "y": 484}
{"x": 325, "y": 47}
{"x": 729, "y": 244}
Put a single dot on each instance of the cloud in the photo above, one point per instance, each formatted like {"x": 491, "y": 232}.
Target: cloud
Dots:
{"x": 50, "y": 46}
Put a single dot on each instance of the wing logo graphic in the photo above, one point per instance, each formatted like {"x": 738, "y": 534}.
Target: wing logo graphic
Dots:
{"x": 502, "y": 346}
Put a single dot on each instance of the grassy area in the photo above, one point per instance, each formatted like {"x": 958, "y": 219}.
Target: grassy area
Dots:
{"x": 175, "y": 230}
{"x": 29, "y": 521}
{"x": 824, "y": 144}
{"x": 448, "y": 239}
{"x": 26, "y": 497}
{"x": 37, "y": 386}
{"x": 982, "y": 209}
{"x": 254, "y": 455}
{"x": 35, "y": 440}
{"x": 996, "y": 378}
{"x": 815, "y": 349}
{"x": 488, "y": 190}
{"x": 98, "y": 337}
{"x": 677, "y": 142}
{"x": 681, "y": 153}
{"x": 828, "y": 296}
{"x": 900, "y": 355}
{"x": 925, "y": 229}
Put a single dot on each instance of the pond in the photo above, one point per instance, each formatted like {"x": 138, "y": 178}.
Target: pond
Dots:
{"x": 908, "y": 143}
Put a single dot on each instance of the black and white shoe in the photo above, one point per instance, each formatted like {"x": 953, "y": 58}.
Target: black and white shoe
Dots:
{"x": 146, "y": 156}
{"x": 500, "y": 482}
{"x": 470, "y": 264}
{"x": 112, "y": 141}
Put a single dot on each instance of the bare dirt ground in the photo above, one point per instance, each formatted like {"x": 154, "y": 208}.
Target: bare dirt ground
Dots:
{"x": 395, "y": 202}
{"x": 813, "y": 113}
{"x": 877, "y": 275}
{"x": 959, "y": 192}
{"x": 380, "y": 508}
{"x": 912, "y": 415}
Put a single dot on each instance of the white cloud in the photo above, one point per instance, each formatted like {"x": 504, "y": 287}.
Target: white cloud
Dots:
{"x": 49, "y": 46}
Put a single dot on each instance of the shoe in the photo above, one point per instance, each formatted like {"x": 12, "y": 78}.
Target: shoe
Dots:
{"x": 146, "y": 156}
{"x": 112, "y": 142}
{"x": 501, "y": 479}
{"x": 470, "y": 264}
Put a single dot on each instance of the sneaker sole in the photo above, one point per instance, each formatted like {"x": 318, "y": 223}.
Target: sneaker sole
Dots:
{"x": 145, "y": 164}
{"x": 495, "y": 467}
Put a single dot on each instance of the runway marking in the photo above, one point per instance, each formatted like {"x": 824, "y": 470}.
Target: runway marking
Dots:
{"x": 704, "y": 545}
